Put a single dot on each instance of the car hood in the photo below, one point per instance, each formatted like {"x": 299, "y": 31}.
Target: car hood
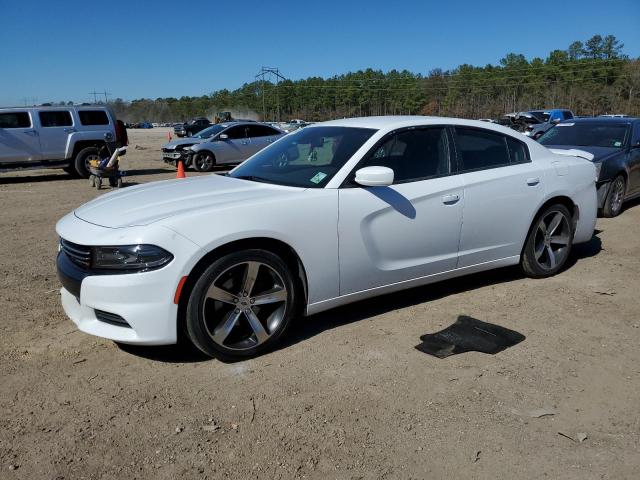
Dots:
{"x": 151, "y": 202}
{"x": 599, "y": 153}
{"x": 183, "y": 141}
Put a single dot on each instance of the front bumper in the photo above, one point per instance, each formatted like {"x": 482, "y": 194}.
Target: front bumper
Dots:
{"x": 143, "y": 300}
{"x": 173, "y": 158}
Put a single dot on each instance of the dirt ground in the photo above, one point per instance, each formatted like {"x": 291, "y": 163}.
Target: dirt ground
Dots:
{"x": 348, "y": 396}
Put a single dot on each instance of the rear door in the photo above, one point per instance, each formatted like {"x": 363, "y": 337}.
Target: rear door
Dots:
{"x": 502, "y": 187}
{"x": 55, "y": 128}
{"x": 19, "y": 141}
{"x": 260, "y": 136}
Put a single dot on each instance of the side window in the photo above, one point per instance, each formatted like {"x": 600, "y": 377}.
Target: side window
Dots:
{"x": 413, "y": 154}
{"x": 518, "y": 151}
{"x": 235, "y": 133}
{"x": 93, "y": 117}
{"x": 60, "y": 118}
{"x": 635, "y": 138}
{"x": 15, "y": 120}
{"x": 261, "y": 131}
{"x": 479, "y": 149}
{"x": 567, "y": 115}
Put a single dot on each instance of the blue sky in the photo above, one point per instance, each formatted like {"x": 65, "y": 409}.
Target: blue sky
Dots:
{"x": 62, "y": 50}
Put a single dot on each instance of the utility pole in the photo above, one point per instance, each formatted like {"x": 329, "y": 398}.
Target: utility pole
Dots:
{"x": 269, "y": 71}
{"x": 95, "y": 95}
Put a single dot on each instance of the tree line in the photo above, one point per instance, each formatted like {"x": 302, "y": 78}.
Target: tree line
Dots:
{"x": 590, "y": 78}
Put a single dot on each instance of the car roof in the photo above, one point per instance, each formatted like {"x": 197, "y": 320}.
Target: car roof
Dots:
{"x": 57, "y": 107}
{"x": 603, "y": 120}
{"x": 393, "y": 122}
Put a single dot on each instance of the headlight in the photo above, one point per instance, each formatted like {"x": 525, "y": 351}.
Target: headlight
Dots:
{"x": 598, "y": 166}
{"x": 130, "y": 257}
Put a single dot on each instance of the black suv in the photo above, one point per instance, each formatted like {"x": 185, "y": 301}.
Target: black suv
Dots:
{"x": 191, "y": 128}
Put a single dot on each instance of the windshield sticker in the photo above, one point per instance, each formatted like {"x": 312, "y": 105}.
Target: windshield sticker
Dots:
{"x": 617, "y": 144}
{"x": 318, "y": 177}
{"x": 565, "y": 124}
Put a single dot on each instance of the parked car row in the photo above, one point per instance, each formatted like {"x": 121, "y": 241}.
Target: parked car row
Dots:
{"x": 326, "y": 215}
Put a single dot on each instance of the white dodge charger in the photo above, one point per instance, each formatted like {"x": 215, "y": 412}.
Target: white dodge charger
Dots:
{"x": 333, "y": 213}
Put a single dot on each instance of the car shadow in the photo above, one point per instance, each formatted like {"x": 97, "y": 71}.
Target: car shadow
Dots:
{"x": 304, "y": 329}
{"x": 36, "y": 178}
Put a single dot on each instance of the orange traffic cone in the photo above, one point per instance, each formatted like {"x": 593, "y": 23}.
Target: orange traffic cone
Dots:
{"x": 169, "y": 136}
{"x": 180, "y": 173}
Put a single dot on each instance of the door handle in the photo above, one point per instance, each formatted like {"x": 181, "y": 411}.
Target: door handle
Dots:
{"x": 31, "y": 132}
{"x": 532, "y": 182}
{"x": 450, "y": 199}
{"x": 69, "y": 130}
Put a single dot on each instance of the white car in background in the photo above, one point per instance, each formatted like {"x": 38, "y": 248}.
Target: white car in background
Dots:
{"x": 330, "y": 214}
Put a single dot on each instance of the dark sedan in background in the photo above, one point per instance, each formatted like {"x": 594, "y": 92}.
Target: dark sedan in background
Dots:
{"x": 615, "y": 144}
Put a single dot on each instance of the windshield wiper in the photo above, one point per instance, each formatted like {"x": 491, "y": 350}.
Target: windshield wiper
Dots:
{"x": 253, "y": 178}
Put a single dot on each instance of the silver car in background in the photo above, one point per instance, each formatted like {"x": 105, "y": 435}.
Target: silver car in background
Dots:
{"x": 232, "y": 145}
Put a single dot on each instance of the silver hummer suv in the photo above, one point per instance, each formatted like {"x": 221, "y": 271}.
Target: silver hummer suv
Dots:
{"x": 58, "y": 137}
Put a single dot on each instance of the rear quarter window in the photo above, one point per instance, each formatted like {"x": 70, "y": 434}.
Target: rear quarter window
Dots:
{"x": 93, "y": 117}
{"x": 15, "y": 120}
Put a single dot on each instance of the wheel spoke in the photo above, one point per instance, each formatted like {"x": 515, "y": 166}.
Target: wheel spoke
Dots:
{"x": 221, "y": 295}
{"x": 555, "y": 222}
{"x": 250, "y": 277}
{"x": 560, "y": 240}
{"x": 539, "y": 251}
{"x": 274, "y": 296}
{"x": 552, "y": 257}
{"x": 256, "y": 326}
{"x": 221, "y": 333}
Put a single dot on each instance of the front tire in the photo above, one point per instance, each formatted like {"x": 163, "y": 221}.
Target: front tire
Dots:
{"x": 204, "y": 161}
{"x": 548, "y": 245}
{"x": 241, "y": 305}
{"x": 615, "y": 198}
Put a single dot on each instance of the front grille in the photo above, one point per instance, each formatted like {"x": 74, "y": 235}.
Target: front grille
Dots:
{"x": 78, "y": 254}
{"x": 168, "y": 150}
{"x": 111, "y": 318}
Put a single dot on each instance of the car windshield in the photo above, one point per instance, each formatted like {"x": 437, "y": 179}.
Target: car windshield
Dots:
{"x": 209, "y": 131}
{"x": 540, "y": 115}
{"x": 308, "y": 158}
{"x": 586, "y": 135}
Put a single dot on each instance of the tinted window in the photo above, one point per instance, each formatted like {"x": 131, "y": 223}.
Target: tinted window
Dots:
{"x": 586, "y": 134}
{"x": 518, "y": 151}
{"x": 15, "y": 120}
{"x": 93, "y": 117}
{"x": 478, "y": 149}
{"x": 413, "y": 154}
{"x": 55, "y": 119}
{"x": 236, "y": 132}
{"x": 636, "y": 134}
{"x": 261, "y": 131}
{"x": 567, "y": 114}
{"x": 306, "y": 158}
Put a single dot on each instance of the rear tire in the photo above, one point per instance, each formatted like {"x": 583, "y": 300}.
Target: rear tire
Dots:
{"x": 81, "y": 162}
{"x": 615, "y": 198}
{"x": 234, "y": 313}
{"x": 548, "y": 244}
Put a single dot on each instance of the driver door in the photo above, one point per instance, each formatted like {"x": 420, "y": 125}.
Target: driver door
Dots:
{"x": 407, "y": 230}
{"x": 233, "y": 148}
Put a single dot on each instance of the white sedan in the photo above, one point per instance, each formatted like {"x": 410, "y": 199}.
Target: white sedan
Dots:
{"x": 333, "y": 213}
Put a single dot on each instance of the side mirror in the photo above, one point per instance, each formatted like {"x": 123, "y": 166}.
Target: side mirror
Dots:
{"x": 223, "y": 136}
{"x": 374, "y": 176}
{"x": 556, "y": 120}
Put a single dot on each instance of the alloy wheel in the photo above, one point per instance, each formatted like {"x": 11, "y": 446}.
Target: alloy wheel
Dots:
{"x": 551, "y": 243}
{"x": 244, "y": 305}
{"x": 617, "y": 195}
{"x": 204, "y": 162}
